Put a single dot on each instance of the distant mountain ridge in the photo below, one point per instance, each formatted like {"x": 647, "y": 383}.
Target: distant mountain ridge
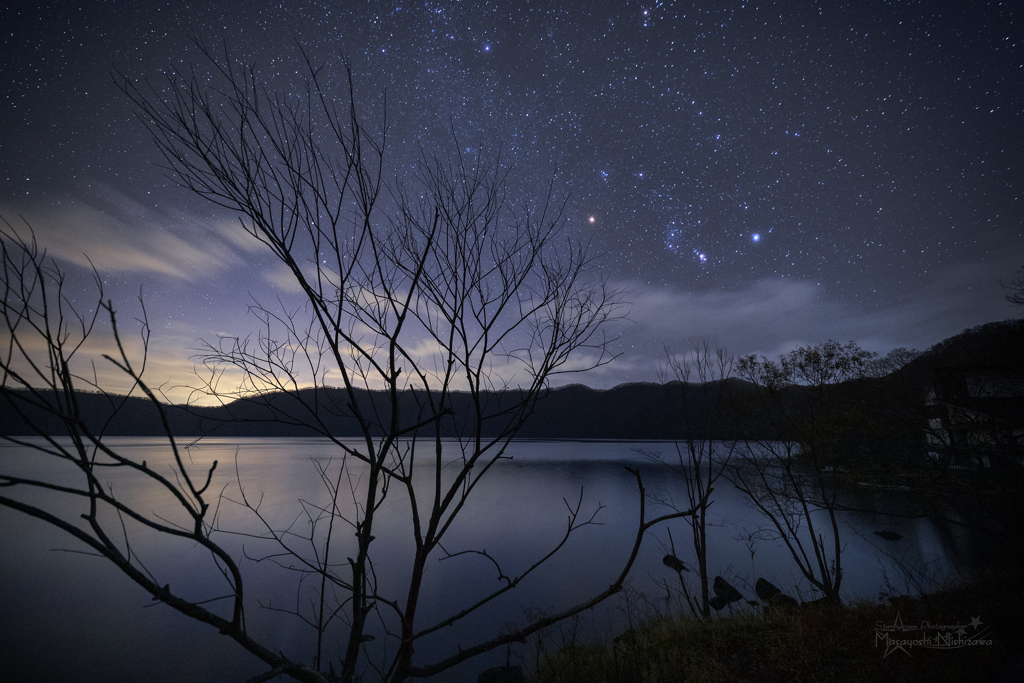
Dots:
{"x": 634, "y": 411}
{"x": 995, "y": 343}
{"x": 628, "y": 411}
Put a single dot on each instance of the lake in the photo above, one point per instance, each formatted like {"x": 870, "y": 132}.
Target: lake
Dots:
{"x": 72, "y": 616}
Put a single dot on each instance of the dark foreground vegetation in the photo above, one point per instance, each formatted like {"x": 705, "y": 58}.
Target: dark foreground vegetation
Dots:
{"x": 416, "y": 292}
{"x": 857, "y": 642}
{"x": 940, "y": 437}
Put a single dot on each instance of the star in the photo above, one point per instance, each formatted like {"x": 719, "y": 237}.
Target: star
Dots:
{"x": 878, "y": 162}
{"x": 687, "y": 131}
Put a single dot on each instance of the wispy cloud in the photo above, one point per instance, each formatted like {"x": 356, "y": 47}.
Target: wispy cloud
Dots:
{"x": 282, "y": 278}
{"x": 114, "y": 233}
{"x": 773, "y": 316}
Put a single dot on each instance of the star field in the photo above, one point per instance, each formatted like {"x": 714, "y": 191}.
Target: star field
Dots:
{"x": 865, "y": 152}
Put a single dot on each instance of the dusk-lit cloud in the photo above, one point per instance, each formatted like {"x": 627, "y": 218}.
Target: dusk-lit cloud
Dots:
{"x": 107, "y": 230}
{"x": 847, "y": 174}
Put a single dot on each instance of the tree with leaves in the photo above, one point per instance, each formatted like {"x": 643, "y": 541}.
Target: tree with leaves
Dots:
{"x": 792, "y": 474}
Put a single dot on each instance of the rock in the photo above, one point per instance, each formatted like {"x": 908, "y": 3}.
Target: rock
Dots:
{"x": 724, "y": 594}
{"x": 771, "y": 596}
{"x": 826, "y": 602}
{"x": 502, "y": 674}
{"x": 765, "y": 589}
{"x": 782, "y": 601}
{"x": 902, "y": 601}
{"x": 626, "y": 637}
{"x": 718, "y": 602}
{"x": 673, "y": 562}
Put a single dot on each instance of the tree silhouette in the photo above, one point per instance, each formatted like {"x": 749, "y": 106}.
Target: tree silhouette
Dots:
{"x": 700, "y": 460}
{"x": 793, "y": 474}
{"x": 1016, "y": 288}
{"x": 413, "y": 289}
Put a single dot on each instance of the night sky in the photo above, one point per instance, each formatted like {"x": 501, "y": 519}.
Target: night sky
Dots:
{"x": 763, "y": 174}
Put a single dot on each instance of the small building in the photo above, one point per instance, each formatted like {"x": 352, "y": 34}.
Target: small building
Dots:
{"x": 976, "y": 417}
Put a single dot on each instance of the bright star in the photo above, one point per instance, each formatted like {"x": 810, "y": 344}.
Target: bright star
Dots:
{"x": 591, "y": 220}
{"x": 756, "y": 237}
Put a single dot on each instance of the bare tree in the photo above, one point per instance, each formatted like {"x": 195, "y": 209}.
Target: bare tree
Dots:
{"x": 44, "y": 334}
{"x": 892, "y": 362}
{"x": 791, "y": 474}
{"x": 699, "y": 459}
{"x": 436, "y": 307}
{"x": 1015, "y": 288}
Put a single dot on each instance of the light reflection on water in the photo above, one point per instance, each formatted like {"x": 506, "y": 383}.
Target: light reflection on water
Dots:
{"x": 105, "y": 628}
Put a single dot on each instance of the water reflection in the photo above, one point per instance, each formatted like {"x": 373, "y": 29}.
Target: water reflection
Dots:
{"x": 106, "y": 629}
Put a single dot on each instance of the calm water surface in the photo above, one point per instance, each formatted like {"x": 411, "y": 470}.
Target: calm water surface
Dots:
{"x": 65, "y": 615}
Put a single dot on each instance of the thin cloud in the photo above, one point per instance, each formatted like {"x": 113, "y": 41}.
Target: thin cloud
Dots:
{"x": 774, "y": 316}
{"x": 114, "y": 233}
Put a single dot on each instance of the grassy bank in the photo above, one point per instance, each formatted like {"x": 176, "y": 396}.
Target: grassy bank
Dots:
{"x": 847, "y": 643}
